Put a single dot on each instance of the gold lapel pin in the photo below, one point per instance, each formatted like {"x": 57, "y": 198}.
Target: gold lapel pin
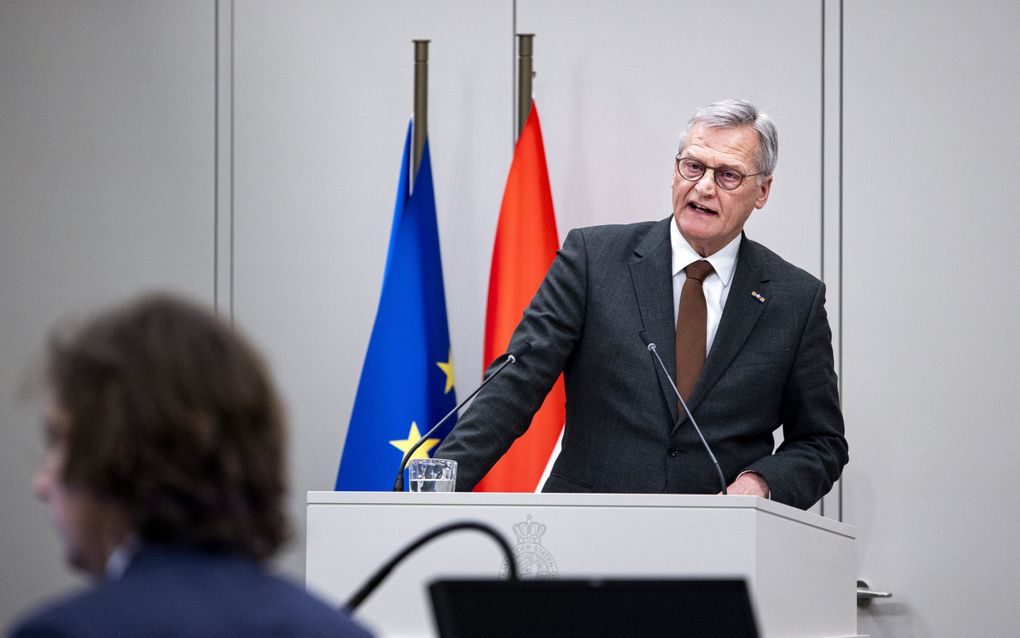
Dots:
{"x": 754, "y": 293}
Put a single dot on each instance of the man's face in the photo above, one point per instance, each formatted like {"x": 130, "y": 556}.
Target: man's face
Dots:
{"x": 89, "y": 529}
{"x": 707, "y": 216}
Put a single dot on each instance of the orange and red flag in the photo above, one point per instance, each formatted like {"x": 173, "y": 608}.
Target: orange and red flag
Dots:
{"x": 526, "y": 244}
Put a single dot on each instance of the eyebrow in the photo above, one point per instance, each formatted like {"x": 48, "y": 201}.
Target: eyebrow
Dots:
{"x": 735, "y": 167}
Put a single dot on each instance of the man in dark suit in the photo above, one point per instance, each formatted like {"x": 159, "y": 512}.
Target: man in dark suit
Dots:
{"x": 769, "y": 357}
{"x": 164, "y": 477}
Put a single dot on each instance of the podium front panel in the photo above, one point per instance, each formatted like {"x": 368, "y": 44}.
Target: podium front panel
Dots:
{"x": 800, "y": 567}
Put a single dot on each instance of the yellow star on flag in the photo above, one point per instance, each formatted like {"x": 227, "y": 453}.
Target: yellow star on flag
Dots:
{"x": 412, "y": 437}
{"x": 447, "y": 368}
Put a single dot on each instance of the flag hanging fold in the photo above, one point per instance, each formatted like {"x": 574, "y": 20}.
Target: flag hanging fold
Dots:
{"x": 407, "y": 380}
{"x": 526, "y": 244}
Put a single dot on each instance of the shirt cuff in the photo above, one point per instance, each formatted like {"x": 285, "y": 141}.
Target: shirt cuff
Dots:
{"x": 767, "y": 496}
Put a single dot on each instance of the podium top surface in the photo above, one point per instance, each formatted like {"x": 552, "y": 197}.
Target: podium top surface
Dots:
{"x": 567, "y": 500}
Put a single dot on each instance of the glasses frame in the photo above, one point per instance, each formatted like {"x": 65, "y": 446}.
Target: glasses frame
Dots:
{"x": 715, "y": 173}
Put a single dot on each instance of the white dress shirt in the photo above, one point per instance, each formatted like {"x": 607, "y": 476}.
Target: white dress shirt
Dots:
{"x": 716, "y": 285}
{"x": 120, "y": 558}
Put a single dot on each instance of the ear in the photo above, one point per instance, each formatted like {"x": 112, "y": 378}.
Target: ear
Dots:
{"x": 763, "y": 192}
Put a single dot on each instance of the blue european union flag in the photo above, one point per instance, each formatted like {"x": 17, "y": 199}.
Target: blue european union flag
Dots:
{"x": 407, "y": 381}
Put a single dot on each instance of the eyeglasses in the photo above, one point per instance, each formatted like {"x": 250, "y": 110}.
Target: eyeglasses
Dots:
{"x": 726, "y": 178}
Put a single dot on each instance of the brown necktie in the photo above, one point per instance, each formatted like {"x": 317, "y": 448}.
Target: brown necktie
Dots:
{"x": 691, "y": 323}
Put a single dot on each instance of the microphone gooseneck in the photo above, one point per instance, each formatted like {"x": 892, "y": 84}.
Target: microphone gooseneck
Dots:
{"x": 651, "y": 348}
{"x": 511, "y": 357}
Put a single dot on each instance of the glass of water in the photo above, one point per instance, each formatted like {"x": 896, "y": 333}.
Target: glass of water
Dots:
{"x": 432, "y": 475}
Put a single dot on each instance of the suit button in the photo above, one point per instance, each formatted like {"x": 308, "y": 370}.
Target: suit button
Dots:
{"x": 673, "y": 451}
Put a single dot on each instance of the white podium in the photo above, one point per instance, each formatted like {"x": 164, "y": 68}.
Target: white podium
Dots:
{"x": 799, "y": 566}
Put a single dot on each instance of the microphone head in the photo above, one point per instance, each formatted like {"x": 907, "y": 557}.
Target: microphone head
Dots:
{"x": 648, "y": 342}
{"x": 518, "y": 351}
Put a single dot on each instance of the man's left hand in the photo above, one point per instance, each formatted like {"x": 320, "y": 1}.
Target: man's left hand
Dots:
{"x": 751, "y": 484}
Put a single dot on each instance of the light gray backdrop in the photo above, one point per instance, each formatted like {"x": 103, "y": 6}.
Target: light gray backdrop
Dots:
{"x": 247, "y": 154}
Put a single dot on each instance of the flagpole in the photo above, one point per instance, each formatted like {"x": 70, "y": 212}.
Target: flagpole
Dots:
{"x": 421, "y": 99}
{"x": 525, "y": 43}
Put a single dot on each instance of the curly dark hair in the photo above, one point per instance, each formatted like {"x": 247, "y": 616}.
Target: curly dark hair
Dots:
{"x": 173, "y": 418}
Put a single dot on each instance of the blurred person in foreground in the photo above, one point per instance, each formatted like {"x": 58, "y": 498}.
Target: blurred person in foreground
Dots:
{"x": 164, "y": 478}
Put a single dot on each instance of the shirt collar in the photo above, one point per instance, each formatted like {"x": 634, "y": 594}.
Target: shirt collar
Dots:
{"x": 120, "y": 558}
{"x": 724, "y": 261}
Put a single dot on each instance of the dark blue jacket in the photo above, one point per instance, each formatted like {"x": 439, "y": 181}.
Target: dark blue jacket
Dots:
{"x": 176, "y": 593}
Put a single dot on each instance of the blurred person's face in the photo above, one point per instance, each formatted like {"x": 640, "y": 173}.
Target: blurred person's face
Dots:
{"x": 89, "y": 528}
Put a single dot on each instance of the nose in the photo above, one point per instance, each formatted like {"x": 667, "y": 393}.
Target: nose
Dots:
{"x": 42, "y": 481}
{"x": 706, "y": 184}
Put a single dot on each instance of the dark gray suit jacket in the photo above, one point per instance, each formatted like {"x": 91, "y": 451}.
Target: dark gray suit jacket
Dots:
{"x": 770, "y": 365}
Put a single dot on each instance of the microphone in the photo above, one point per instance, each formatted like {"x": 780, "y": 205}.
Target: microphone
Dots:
{"x": 511, "y": 357}
{"x": 651, "y": 348}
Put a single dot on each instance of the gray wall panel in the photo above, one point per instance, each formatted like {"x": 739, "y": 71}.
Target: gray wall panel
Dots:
{"x": 930, "y": 354}
{"x": 106, "y": 188}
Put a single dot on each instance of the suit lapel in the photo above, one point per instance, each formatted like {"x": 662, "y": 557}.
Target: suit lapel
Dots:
{"x": 651, "y": 274}
{"x": 744, "y": 305}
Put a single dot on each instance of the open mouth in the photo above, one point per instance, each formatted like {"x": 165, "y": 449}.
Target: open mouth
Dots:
{"x": 701, "y": 209}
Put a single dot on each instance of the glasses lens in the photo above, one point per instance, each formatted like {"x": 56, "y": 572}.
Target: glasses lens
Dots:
{"x": 690, "y": 169}
{"x": 728, "y": 179}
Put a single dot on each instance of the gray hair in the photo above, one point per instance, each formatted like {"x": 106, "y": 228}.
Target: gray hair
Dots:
{"x": 733, "y": 113}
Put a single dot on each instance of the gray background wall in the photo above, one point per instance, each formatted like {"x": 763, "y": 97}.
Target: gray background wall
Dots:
{"x": 247, "y": 154}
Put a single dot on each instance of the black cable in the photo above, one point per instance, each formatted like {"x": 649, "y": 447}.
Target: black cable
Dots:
{"x": 365, "y": 590}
